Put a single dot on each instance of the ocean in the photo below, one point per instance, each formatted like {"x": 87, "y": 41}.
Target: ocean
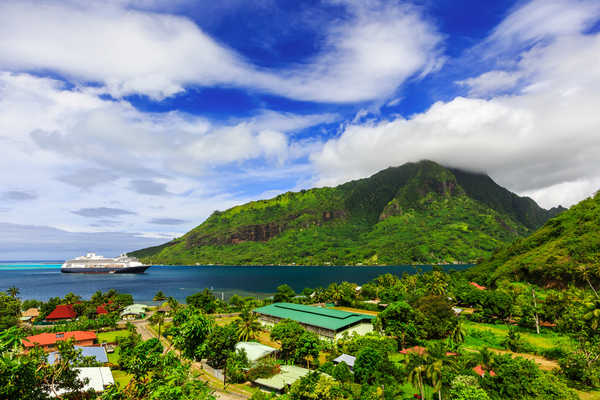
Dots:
{"x": 44, "y": 280}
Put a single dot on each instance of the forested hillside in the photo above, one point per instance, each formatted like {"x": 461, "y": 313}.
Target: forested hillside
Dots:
{"x": 416, "y": 213}
{"x": 565, "y": 250}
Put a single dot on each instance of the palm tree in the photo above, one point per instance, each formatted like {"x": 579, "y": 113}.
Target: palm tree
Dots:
{"x": 592, "y": 314}
{"x": 158, "y": 318}
{"x": 416, "y": 379}
{"x": 174, "y": 304}
{"x": 434, "y": 374}
{"x": 11, "y": 338}
{"x": 487, "y": 358}
{"x": 13, "y": 291}
{"x": 584, "y": 271}
{"x": 249, "y": 327}
{"x": 458, "y": 333}
{"x": 159, "y": 296}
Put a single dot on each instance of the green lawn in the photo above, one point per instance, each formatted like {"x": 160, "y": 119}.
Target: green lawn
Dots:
{"x": 113, "y": 358}
{"x": 492, "y": 335}
{"x": 110, "y": 337}
{"x": 121, "y": 377}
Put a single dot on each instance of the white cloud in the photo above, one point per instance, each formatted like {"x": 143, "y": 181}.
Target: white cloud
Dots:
{"x": 541, "y": 141}
{"x": 491, "y": 82}
{"x": 364, "y": 57}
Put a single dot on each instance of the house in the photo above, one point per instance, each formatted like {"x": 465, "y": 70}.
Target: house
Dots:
{"x": 32, "y": 313}
{"x": 63, "y": 312}
{"x": 419, "y": 350}
{"x": 327, "y": 323}
{"x": 134, "y": 311}
{"x": 98, "y": 378}
{"x": 255, "y": 351}
{"x": 99, "y": 353}
{"x": 283, "y": 380}
{"x": 345, "y": 358}
{"x": 48, "y": 341}
{"x": 479, "y": 370}
{"x": 477, "y": 286}
{"x": 165, "y": 309}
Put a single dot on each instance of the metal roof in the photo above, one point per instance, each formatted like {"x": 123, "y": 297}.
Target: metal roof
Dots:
{"x": 348, "y": 359}
{"x": 86, "y": 351}
{"x": 326, "y": 318}
{"x": 134, "y": 309}
{"x": 99, "y": 378}
{"x": 255, "y": 351}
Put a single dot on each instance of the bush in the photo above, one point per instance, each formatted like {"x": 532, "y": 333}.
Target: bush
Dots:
{"x": 555, "y": 353}
{"x": 341, "y": 372}
{"x": 263, "y": 369}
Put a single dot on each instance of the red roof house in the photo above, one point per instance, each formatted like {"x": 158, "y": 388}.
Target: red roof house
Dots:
{"x": 479, "y": 370}
{"x": 48, "y": 340}
{"x": 101, "y": 310}
{"x": 415, "y": 350}
{"x": 64, "y": 311}
{"x": 477, "y": 286}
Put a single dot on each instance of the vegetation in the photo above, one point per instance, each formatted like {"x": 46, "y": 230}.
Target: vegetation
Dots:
{"x": 566, "y": 250}
{"x": 416, "y": 213}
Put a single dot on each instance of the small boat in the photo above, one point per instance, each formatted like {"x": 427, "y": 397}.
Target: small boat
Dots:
{"x": 92, "y": 263}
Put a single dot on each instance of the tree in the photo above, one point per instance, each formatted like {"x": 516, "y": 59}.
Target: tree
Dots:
{"x": 219, "y": 345}
{"x": 236, "y": 366}
{"x": 11, "y": 338}
{"x": 592, "y": 313}
{"x": 342, "y": 373}
{"x": 457, "y": 335}
{"x": 283, "y": 294}
{"x": 203, "y": 300}
{"x": 308, "y": 347}
{"x": 435, "y": 318}
{"x": 13, "y": 291}
{"x": 415, "y": 377}
{"x": 287, "y": 332}
{"x": 10, "y": 309}
{"x": 398, "y": 320}
{"x": 465, "y": 387}
{"x": 158, "y": 318}
{"x": 249, "y": 326}
{"x": 434, "y": 375}
{"x": 367, "y": 366}
{"x": 159, "y": 296}
{"x": 189, "y": 331}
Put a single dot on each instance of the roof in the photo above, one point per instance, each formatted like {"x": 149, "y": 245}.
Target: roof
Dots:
{"x": 255, "y": 351}
{"x": 45, "y": 339}
{"x": 477, "y": 286}
{"x": 348, "y": 359}
{"x": 31, "y": 312}
{"x": 288, "y": 375}
{"x": 63, "y": 311}
{"x": 334, "y": 320}
{"x": 98, "y": 352}
{"x": 99, "y": 378}
{"x": 479, "y": 370}
{"x": 134, "y": 309}
{"x": 164, "y": 308}
{"x": 101, "y": 310}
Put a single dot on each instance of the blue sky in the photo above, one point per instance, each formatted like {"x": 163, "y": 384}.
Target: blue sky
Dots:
{"x": 139, "y": 118}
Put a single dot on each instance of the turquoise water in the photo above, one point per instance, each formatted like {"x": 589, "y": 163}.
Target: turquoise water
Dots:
{"x": 44, "y": 280}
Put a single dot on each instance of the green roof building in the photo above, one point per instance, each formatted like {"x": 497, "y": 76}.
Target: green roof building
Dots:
{"x": 255, "y": 351}
{"x": 327, "y": 323}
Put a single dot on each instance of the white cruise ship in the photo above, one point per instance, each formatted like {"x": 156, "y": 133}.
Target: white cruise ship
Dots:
{"x": 95, "y": 264}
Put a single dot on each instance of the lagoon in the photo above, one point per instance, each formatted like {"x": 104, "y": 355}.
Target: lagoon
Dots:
{"x": 44, "y": 280}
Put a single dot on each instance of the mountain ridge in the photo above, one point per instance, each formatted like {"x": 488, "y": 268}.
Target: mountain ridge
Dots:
{"x": 414, "y": 213}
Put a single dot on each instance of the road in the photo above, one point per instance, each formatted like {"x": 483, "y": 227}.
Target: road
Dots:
{"x": 141, "y": 326}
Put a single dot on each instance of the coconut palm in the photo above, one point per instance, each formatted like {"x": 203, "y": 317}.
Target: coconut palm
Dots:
{"x": 584, "y": 271}
{"x": 13, "y": 291}
{"x": 249, "y": 327}
{"x": 158, "y": 318}
{"x": 458, "y": 333}
{"x": 434, "y": 375}
{"x": 159, "y": 296}
{"x": 415, "y": 377}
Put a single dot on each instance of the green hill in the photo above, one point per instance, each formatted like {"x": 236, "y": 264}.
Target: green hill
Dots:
{"x": 416, "y": 213}
{"x": 554, "y": 255}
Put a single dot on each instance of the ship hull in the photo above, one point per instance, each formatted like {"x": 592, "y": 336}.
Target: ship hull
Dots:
{"x": 99, "y": 270}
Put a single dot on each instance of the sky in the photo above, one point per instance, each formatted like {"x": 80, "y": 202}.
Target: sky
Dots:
{"x": 124, "y": 124}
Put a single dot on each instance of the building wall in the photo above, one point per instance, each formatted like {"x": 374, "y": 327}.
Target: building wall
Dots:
{"x": 360, "y": 329}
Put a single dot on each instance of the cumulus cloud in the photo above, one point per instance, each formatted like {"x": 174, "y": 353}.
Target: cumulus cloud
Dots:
{"x": 541, "y": 140}
{"x": 363, "y": 57}
{"x": 100, "y": 212}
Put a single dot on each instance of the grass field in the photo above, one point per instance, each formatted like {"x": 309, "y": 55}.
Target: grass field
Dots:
{"x": 121, "y": 377}
{"x": 357, "y": 310}
{"x": 492, "y": 335}
{"x": 110, "y": 337}
{"x": 589, "y": 395}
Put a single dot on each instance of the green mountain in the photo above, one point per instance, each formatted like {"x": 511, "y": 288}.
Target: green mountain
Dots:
{"x": 416, "y": 213}
{"x": 556, "y": 254}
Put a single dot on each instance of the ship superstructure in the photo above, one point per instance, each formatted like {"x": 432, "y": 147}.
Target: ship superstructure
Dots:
{"x": 92, "y": 263}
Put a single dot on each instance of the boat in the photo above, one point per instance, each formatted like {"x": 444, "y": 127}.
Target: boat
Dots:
{"x": 92, "y": 263}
